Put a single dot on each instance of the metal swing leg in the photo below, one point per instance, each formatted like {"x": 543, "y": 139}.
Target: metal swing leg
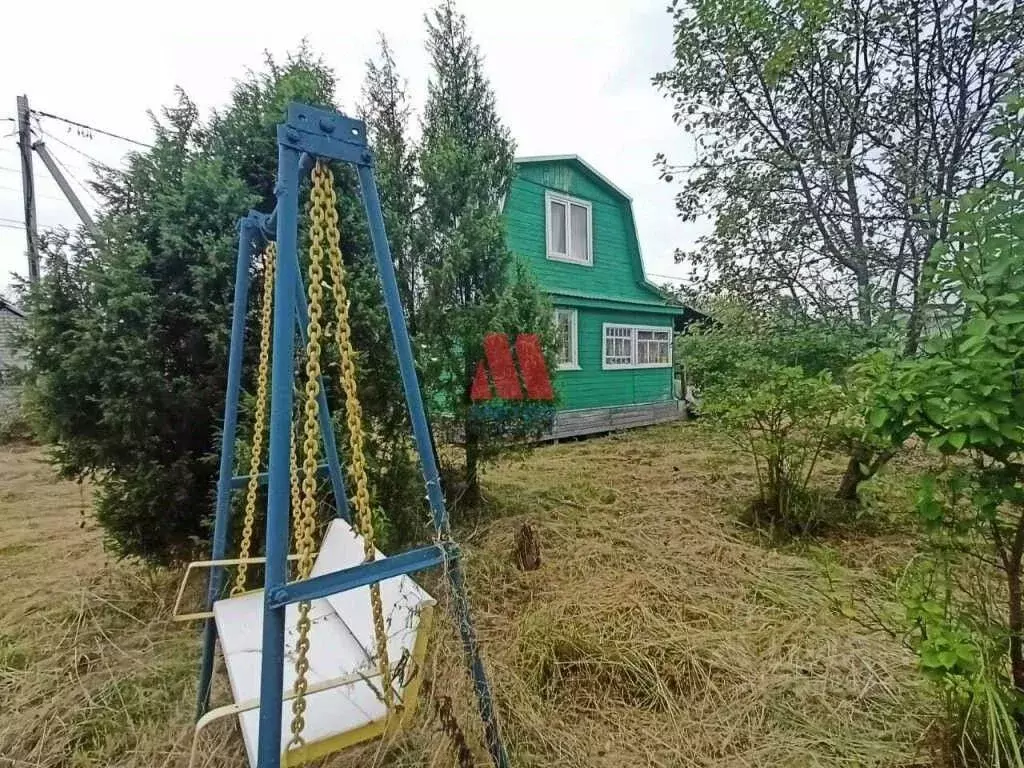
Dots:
{"x": 428, "y": 461}
{"x": 248, "y": 233}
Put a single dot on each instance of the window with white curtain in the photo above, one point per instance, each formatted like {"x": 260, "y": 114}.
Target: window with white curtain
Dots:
{"x": 569, "y": 229}
{"x": 637, "y": 346}
{"x": 566, "y": 347}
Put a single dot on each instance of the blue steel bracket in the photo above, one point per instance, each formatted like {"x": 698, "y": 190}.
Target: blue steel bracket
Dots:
{"x": 265, "y": 224}
{"x": 325, "y": 133}
{"x": 413, "y": 561}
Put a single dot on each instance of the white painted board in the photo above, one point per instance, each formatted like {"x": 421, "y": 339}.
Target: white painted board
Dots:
{"x": 401, "y": 597}
{"x": 341, "y": 643}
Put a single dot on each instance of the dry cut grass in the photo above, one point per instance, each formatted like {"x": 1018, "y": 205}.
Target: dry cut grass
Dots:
{"x": 657, "y": 632}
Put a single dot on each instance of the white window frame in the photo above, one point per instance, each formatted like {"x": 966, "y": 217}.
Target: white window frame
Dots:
{"x": 574, "y": 335}
{"x": 605, "y": 365}
{"x": 568, "y": 201}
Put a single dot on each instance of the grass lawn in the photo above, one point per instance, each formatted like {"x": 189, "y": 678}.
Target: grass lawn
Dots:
{"x": 659, "y": 631}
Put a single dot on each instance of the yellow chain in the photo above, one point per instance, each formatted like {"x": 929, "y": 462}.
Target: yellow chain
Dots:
{"x": 260, "y": 420}
{"x": 296, "y": 489}
{"x": 306, "y": 515}
{"x": 354, "y": 419}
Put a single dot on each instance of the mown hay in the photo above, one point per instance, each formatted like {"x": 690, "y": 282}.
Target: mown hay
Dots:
{"x": 657, "y": 632}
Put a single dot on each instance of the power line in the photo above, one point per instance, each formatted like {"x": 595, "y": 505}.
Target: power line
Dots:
{"x": 84, "y": 154}
{"x": 47, "y": 197}
{"x": 83, "y": 126}
{"x": 19, "y": 224}
{"x": 667, "y": 277}
{"x": 76, "y": 179}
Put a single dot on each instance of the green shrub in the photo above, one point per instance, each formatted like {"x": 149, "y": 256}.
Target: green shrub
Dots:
{"x": 783, "y": 422}
{"x": 953, "y": 622}
{"x": 740, "y": 345}
{"x": 964, "y": 397}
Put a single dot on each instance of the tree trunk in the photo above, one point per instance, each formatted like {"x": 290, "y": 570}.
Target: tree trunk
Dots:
{"x": 913, "y": 331}
{"x": 1016, "y": 616}
{"x": 471, "y": 495}
{"x": 1015, "y": 613}
{"x": 861, "y": 458}
{"x": 852, "y": 478}
{"x": 1016, "y": 641}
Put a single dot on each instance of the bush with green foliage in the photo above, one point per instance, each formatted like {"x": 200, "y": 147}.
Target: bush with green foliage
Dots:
{"x": 964, "y": 396}
{"x": 786, "y": 387}
{"x": 784, "y": 422}
{"x": 740, "y": 342}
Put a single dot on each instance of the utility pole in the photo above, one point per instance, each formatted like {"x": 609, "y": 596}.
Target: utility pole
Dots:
{"x": 28, "y": 187}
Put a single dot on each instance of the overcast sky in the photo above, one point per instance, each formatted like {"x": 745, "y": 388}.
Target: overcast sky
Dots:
{"x": 571, "y": 77}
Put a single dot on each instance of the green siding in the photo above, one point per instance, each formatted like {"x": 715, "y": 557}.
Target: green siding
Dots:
{"x": 594, "y": 387}
{"x": 611, "y": 290}
{"x": 615, "y": 273}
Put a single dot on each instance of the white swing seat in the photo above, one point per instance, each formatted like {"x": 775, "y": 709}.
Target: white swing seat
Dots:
{"x": 344, "y": 705}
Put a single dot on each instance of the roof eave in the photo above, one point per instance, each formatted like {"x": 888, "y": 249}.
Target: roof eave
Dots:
{"x": 577, "y": 159}
{"x": 4, "y": 304}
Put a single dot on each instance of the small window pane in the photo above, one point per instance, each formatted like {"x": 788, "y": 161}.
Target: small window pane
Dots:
{"x": 618, "y": 345}
{"x": 651, "y": 347}
{"x": 565, "y": 331}
{"x": 556, "y": 227}
{"x": 580, "y": 236}
{"x": 643, "y": 353}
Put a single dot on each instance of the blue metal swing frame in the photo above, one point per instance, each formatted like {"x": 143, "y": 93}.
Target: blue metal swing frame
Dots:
{"x": 310, "y": 133}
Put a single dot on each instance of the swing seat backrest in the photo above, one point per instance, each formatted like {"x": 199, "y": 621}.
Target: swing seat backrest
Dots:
{"x": 344, "y": 705}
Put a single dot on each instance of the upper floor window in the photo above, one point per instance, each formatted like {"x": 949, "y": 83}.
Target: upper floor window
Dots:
{"x": 569, "y": 229}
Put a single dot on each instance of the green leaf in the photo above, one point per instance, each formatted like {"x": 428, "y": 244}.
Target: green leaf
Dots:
{"x": 930, "y": 659}
{"x": 957, "y": 439}
{"x": 935, "y": 409}
{"x": 878, "y": 417}
{"x": 1009, "y": 318}
{"x": 972, "y": 343}
{"x": 965, "y": 652}
{"x": 948, "y": 659}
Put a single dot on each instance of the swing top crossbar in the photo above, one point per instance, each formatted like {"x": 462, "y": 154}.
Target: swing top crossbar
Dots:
{"x": 315, "y": 133}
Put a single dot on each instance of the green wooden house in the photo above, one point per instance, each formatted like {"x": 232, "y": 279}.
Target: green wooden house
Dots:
{"x": 575, "y": 230}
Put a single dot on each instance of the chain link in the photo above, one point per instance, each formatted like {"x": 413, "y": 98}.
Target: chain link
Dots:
{"x": 296, "y": 489}
{"x": 260, "y": 419}
{"x": 354, "y": 420}
{"x": 305, "y": 521}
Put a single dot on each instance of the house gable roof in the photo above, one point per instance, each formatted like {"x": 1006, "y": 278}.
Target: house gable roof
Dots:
{"x": 579, "y": 161}
{"x": 5, "y": 305}
{"x": 591, "y": 171}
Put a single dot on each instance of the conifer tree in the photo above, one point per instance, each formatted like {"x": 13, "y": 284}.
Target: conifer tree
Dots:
{"x": 385, "y": 108}
{"x": 465, "y": 170}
